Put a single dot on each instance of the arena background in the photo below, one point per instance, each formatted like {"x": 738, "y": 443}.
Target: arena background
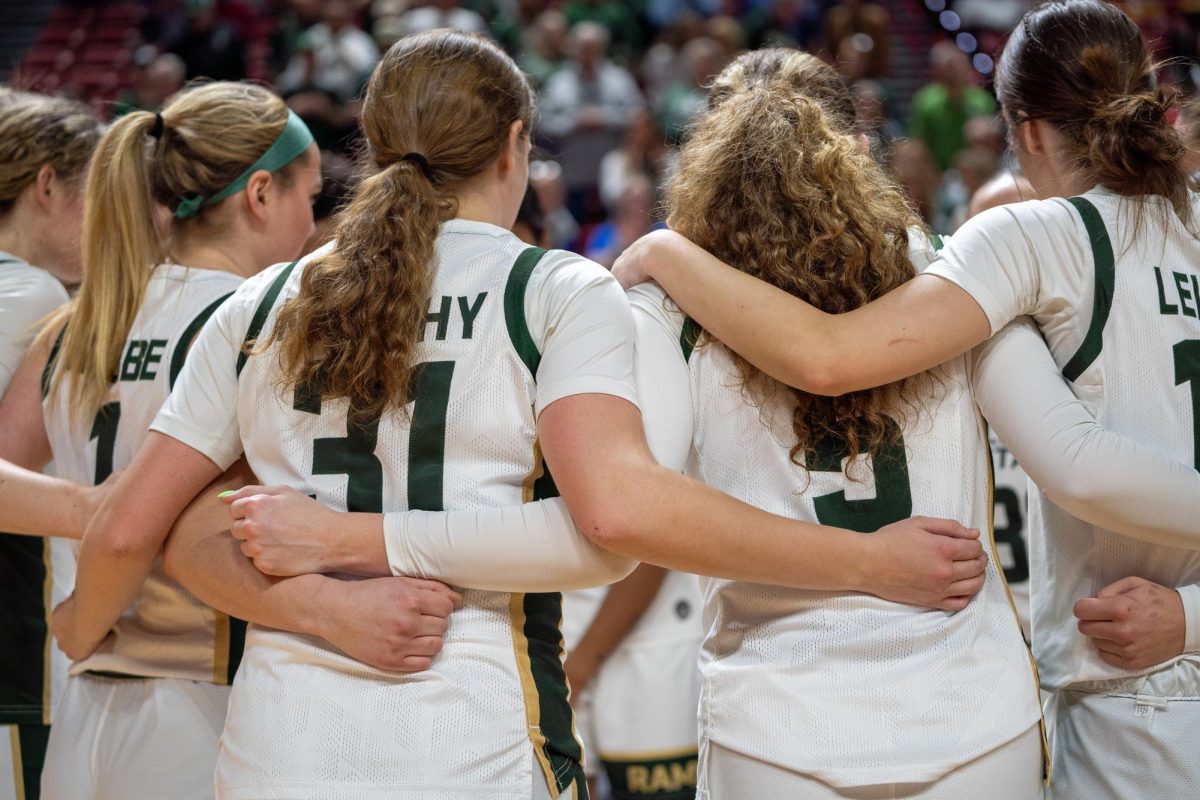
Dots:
{"x": 618, "y": 80}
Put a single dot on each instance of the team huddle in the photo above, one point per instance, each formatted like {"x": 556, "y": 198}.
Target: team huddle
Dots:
{"x": 311, "y": 520}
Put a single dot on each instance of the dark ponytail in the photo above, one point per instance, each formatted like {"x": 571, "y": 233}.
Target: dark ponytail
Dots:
{"x": 1083, "y": 66}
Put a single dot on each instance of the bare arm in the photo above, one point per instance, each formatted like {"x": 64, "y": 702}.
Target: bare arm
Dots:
{"x": 621, "y": 498}
{"x": 919, "y": 325}
{"x": 625, "y": 603}
{"x": 390, "y": 623}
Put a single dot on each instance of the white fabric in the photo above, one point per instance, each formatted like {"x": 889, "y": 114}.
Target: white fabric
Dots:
{"x": 1190, "y": 595}
{"x": 27, "y": 294}
{"x": 1010, "y": 772}
{"x": 1010, "y": 522}
{"x": 876, "y": 692}
{"x": 166, "y": 632}
{"x": 134, "y": 739}
{"x": 1036, "y": 258}
{"x": 467, "y": 726}
{"x": 1133, "y": 738}
{"x": 463, "y": 548}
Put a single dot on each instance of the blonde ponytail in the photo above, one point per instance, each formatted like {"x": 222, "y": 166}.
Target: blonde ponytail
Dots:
{"x": 120, "y": 249}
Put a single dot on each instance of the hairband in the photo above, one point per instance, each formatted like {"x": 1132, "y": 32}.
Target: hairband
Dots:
{"x": 159, "y": 126}
{"x": 293, "y": 140}
{"x": 421, "y": 162}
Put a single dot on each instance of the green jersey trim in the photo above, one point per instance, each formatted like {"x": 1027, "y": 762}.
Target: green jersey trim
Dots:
{"x": 1105, "y": 277}
{"x": 514, "y": 308}
{"x": 189, "y": 333}
{"x": 937, "y": 241}
{"x": 262, "y": 312}
{"x": 688, "y": 337}
{"x": 48, "y": 372}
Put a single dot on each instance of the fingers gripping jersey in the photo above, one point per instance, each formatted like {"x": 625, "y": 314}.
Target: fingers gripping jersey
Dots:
{"x": 1118, "y": 303}
{"x": 167, "y": 632}
{"x": 305, "y": 720}
{"x": 850, "y": 688}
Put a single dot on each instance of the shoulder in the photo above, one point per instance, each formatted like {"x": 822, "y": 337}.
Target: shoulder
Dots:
{"x": 24, "y": 282}
{"x": 1030, "y": 219}
{"x": 563, "y": 271}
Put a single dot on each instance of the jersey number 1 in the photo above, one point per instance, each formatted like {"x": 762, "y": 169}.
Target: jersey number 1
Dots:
{"x": 353, "y": 455}
{"x": 1187, "y": 370}
{"x": 104, "y": 431}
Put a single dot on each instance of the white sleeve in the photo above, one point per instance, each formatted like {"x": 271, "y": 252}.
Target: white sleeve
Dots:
{"x": 1096, "y": 475}
{"x": 201, "y": 410}
{"x": 995, "y": 257}
{"x": 581, "y": 324}
{"x": 660, "y": 369}
{"x": 1190, "y": 595}
{"x": 27, "y": 294}
{"x": 533, "y": 547}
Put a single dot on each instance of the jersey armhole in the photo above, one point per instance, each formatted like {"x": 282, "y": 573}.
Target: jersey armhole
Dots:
{"x": 189, "y": 333}
{"x": 689, "y": 337}
{"x": 514, "y": 308}
{"x": 262, "y": 312}
{"x": 1104, "y": 279}
{"x": 48, "y": 370}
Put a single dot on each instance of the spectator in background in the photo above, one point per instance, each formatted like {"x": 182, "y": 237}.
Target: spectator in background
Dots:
{"x": 210, "y": 47}
{"x": 871, "y": 107}
{"x": 913, "y": 166}
{"x": 337, "y": 184}
{"x": 293, "y": 20}
{"x": 783, "y": 23}
{"x": 544, "y": 49}
{"x": 686, "y": 98}
{"x": 585, "y": 108}
{"x": 973, "y": 168}
{"x": 633, "y": 219}
{"x": 727, "y": 32}
{"x": 644, "y": 152}
{"x": 442, "y": 14}
{"x": 335, "y": 57}
{"x": 545, "y": 178}
{"x": 940, "y": 110}
{"x": 1188, "y": 125}
{"x": 617, "y": 18}
{"x": 854, "y": 18}
{"x": 1008, "y": 186}
{"x": 153, "y": 83}
{"x": 661, "y": 13}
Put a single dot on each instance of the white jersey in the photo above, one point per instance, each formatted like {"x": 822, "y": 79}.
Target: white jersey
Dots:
{"x": 507, "y": 334}
{"x": 850, "y": 688}
{"x": 672, "y": 615}
{"x": 166, "y": 632}
{"x": 36, "y": 573}
{"x": 1121, "y": 315}
{"x": 1011, "y": 525}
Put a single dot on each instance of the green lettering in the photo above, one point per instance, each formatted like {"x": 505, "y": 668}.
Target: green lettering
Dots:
{"x": 1010, "y": 534}
{"x": 1163, "y": 306}
{"x": 427, "y": 437}
{"x": 104, "y": 431}
{"x": 441, "y": 317}
{"x": 470, "y": 312}
{"x": 1185, "y": 294}
{"x": 1187, "y": 370}
{"x": 893, "y": 496}
{"x": 153, "y": 356}
{"x": 131, "y": 367}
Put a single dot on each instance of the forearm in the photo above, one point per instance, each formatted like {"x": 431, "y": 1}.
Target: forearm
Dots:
{"x": 533, "y": 547}
{"x": 40, "y": 505}
{"x": 625, "y": 603}
{"x": 109, "y": 577}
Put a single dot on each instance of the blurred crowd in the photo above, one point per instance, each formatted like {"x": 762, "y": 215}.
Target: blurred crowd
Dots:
{"x": 620, "y": 80}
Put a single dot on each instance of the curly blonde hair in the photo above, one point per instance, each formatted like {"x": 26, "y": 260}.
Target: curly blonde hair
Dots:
{"x": 775, "y": 184}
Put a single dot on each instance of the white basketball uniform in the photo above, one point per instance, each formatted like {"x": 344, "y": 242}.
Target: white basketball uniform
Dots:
{"x": 1010, "y": 524}
{"x": 637, "y": 717}
{"x": 36, "y": 573}
{"x": 1121, "y": 315}
{"x": 509, "y": 331}
{"x": 116, "y": 734}
{"x": 847, "y": 690}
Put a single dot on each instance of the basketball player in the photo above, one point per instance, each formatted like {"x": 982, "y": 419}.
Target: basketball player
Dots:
{"x": 1107, "y": 276}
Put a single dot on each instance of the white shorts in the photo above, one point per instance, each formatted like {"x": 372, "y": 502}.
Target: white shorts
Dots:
{"x": 22, "y": 750}
{"x": 1012, "y": 771}
{"x": 1135, "y": 739}
{"x": 134, "y": 739}
{"x": 637, "y": 719}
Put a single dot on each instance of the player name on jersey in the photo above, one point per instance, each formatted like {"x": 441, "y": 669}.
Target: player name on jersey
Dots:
{"x": 468, "y": 310}
{"x": 1178, "y": 293}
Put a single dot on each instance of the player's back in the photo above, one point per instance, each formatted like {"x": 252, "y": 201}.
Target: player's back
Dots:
{"x": 1128, "y": 338}
{"x": 166, "y": 632}
{"x": 849, "y": 687}
{"x": 467, "y": 440}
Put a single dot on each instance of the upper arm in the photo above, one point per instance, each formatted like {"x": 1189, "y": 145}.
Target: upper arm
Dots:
{"x": 661, "y": 374}
{"x": 23, "y": 438}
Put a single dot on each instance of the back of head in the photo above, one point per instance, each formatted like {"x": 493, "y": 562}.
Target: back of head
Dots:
{"x": 437, "y": 112}
{"x": 38, "y": 131}
{"x": 773, "y": 184}
{"x": 1083, "y": 66}
{"x": 208, "y": 136}
{"x": 804, "y": 72}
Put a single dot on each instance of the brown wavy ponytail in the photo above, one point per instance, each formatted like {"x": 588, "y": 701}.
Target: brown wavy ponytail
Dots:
{"x": 1083, "y": 66}
{"x": 437, "y": 112}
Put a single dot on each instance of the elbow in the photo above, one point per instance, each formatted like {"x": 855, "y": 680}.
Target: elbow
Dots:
{"x": 611, "y": 518}
{"x": 825, "y": 381}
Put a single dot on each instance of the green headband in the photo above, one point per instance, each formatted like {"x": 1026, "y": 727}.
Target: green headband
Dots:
{"x": 291, "y": 144}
